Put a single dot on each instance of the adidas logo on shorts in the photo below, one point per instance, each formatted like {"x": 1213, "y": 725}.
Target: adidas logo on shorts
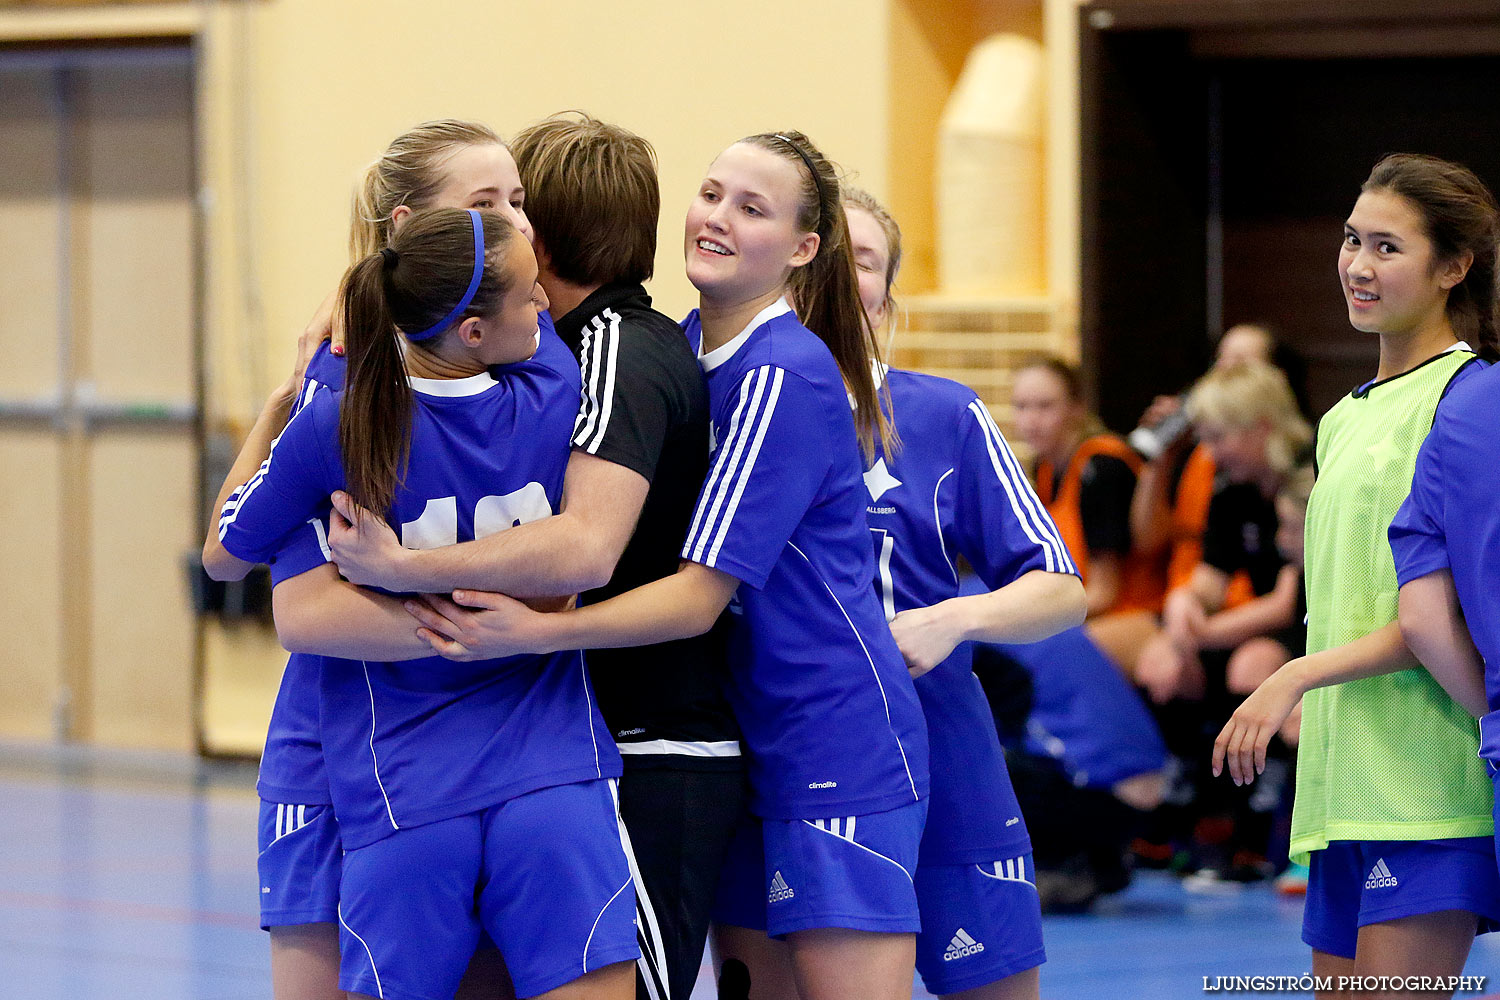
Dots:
{"x": 962, "y": 946}
{"x": 780, "y": 891}
{"x": 1381, "y": 877}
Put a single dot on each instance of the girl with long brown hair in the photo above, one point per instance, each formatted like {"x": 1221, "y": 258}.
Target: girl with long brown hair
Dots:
{"x": 448, "y": 782}
{"x": 443, "y": 163}
{"x": 1392, "y": 807}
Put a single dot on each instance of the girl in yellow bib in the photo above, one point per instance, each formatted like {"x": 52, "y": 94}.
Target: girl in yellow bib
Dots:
{"x": 1393, "y": 805}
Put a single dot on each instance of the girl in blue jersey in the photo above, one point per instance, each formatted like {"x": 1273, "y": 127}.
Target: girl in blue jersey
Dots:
{"x": 438, "y": 164}
{"x": 449, "y": 784}
{"x": 956, "y": 489}
{"x": 837, "y": 744}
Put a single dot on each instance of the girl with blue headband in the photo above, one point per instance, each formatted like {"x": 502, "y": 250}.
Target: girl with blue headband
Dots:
{"x": 448, "y": 783}
{"x": 447, "y": 163}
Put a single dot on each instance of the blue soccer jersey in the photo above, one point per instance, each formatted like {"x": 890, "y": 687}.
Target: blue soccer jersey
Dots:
{"x": 955, "y": 489}
{"x": 414, "y": 742}
{"x": 291, "y": 765}
{"x": 1450, "y": 519}
{"x": 828, "y": 710}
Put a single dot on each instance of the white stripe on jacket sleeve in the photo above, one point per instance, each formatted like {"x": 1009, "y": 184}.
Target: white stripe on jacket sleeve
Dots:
{"x": 734, "y": 464}
{"x": 1024, "y": 502}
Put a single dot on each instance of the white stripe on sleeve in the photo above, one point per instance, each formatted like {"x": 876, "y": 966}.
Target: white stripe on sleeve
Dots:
{"x": 748, "y": 469}
{"x": 727, "y": 472}
{"x": 603, "y": 349}
{"x": 721, "y": 461}
{"x": 1024, "y": 502}
{"x": 231, "y": 511}
{"x": 322, "y": 534}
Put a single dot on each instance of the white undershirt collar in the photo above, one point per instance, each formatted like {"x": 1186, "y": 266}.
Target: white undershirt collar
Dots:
{"x": 728, "y": 349}
{"x": 473, "y": 385}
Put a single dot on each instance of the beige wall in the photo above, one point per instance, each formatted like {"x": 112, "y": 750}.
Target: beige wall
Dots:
{"x": 296, "y": 95}
{"x": 318, "y": 88}
{"x": 929, "y": 41}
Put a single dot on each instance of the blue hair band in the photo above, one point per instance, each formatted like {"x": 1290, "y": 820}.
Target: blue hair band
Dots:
{"x": 474, "y": 281}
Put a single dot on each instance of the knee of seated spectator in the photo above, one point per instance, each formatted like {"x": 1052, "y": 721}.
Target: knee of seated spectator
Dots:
{"x": 1142, "y": 791}
{"x": 1157, "y": 657}
{"x": 1252, "y": 662}
{"x": 1121, "y": 636}
{"x": 1151, "y": 649}
{"x": 1168, "y": 675}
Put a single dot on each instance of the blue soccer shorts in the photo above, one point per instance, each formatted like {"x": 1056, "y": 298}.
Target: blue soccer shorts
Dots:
{"x": 981, "y": 923}
{"x": 544, "y": 873}
{"x": 1353, "y": 883}
{"x": 299, "y": 864}
{"x": 784, "y": 876}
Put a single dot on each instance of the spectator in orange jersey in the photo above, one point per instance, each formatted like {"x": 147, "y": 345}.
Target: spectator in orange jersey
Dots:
{"x": 1086, "y": 477}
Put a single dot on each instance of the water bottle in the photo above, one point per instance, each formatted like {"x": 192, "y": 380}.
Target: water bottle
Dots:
{"x": 1150, "y": 442}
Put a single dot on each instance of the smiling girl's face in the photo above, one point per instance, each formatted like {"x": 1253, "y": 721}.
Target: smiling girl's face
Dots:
{"x": 741, "y": 238}
{"x": 1392, "y": 281}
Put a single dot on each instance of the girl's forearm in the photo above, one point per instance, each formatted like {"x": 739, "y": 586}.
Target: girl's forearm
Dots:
{"x": 684, "y": 604}
{"x": 1382, "y": 651}
{"x": 1033, "y": 607}
{"x": 221, "y": 564}
{"x": 319, "y": 613}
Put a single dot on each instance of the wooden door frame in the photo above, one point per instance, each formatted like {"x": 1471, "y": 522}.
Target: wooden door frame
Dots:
{"x": 74, "y": 415}
{"x": 1120, "y": 44}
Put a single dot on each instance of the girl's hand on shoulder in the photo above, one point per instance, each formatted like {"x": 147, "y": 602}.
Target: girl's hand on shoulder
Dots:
{"x": 925, "y": 637}
{"x": 326, "y": 324}
{"x": 476, "y": 625}
{"x": 1243, "y": 741}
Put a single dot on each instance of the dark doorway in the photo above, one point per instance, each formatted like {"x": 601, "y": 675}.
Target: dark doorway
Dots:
{"x": 1220, "y": 158}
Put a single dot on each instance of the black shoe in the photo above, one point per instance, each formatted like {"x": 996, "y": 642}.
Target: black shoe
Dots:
{"x": 1071, "y": 889}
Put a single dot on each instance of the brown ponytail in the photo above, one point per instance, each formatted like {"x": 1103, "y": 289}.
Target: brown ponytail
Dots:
{"x": 406, "y": 289}
{"x": 826, "y": 290}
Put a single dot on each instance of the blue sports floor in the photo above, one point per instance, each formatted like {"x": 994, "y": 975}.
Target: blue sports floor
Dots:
{"x": 135, "y": 877}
